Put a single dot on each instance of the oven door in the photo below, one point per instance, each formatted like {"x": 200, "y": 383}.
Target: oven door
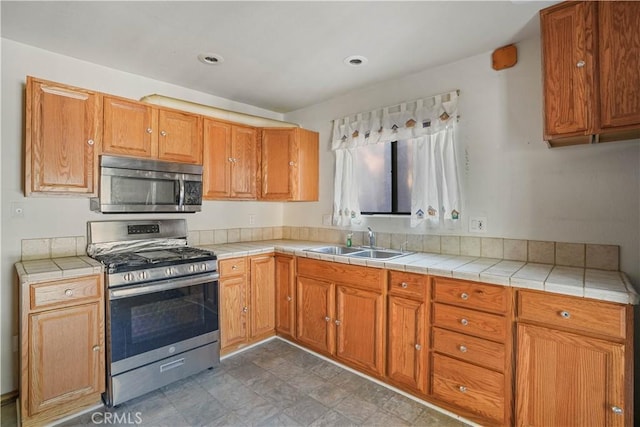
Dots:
{"x": 155, "y": 320}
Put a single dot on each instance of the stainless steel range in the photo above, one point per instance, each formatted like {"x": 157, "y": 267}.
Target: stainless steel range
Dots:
{"x": 161, "y": 305}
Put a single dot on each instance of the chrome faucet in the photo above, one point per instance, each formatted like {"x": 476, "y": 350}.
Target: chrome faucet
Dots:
{"x": 372, "y": 238}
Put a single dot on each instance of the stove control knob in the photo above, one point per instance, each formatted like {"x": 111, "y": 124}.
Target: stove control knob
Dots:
{"x": 192, "y": 268}
{"x": 143, "y": 275}
{"x": 128, "y": 277}
{"x": 170, "y": 271}
{"x": 203, "y": 267}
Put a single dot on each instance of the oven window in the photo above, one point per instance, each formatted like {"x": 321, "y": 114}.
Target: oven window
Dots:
{"x": 150, "y": 321}
{"x": 140, "y": 191}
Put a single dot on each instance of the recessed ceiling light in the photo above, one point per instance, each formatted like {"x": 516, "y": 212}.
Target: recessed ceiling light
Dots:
{"x": 210, "y": 58}
{"x": 355, "y": 60}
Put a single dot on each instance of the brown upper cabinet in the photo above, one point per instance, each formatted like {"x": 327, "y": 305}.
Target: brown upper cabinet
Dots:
{"x": 230, "y": 161}
{"x": 289, "y": 164}
{"x": 591, "y": 57}
{"x": 62, "y": 135}
{"x": 137, "y": 129}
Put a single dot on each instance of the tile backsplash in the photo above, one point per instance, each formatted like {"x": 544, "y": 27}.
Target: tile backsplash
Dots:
{"x": 602, "y": 257}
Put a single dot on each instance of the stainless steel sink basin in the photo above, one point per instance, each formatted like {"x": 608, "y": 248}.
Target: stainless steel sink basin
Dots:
{"x": 378, "y": 254}
{"x": 335, "y": 250}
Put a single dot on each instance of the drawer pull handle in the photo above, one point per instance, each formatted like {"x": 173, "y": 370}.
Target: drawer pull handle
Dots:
{"x": 580, "y": 64}
{"x": 464, "y": 322}
{"x": 462, "y": 389}
{"x": 404, "y": 285}
{"x": 418, "y": 347}
{"x": 288, "y": 298}
{"x": 327, "y": 319}
{"x": 463, "y": 349}
{"x": 464, "y": 296}
{"x": 245, "y": 309}
{"x": 96, "y": 348}
{"x": 68, "y": 292}
{"x": 617, "y": 410}
{"x": 565, "y": 314}
{"x": 234, "y": 267}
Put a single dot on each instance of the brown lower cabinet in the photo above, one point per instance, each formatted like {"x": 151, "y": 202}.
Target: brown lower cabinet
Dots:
{"x": 340, "y": 312}
{"x": 247, "y": 293}
{"x": 62, "y": 349}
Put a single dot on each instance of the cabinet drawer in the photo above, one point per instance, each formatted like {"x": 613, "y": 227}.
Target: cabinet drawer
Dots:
{"x": 476, "y": 389}
{"x": 485, "y": 325}
{"x": 574, "y": 313}
{"x": 232, "y": 267}
{"x": 65, "y": 292}
{"x": 476, "y": 350}
{"x": 408, "y": 285}
{"x": 471, "y": 294}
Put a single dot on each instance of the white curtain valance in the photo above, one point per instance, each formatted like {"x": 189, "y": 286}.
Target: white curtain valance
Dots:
{"x": 404, "y": 121}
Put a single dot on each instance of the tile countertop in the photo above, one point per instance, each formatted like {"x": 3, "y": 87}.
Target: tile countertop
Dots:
{"x": 603, "y": 285}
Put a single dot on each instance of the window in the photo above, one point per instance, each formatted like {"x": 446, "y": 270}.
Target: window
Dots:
{"x": 385, "y": 177}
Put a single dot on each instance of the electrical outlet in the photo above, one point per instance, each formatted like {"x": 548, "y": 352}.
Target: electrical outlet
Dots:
{"x": 252, "y": 219}
{"x": 478, "y": 224}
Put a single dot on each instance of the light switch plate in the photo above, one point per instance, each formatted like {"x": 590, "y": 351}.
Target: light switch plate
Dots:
{"x": 478, "y": 224}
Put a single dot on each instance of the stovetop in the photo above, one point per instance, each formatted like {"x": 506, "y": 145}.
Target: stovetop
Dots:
{"x": 131, "y": 261}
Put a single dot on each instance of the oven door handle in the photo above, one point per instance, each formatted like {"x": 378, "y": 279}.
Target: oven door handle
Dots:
{"x": 163, "y": 285}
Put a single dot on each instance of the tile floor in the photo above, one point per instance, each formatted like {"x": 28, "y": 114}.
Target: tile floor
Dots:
{"x": 273, "y": 384}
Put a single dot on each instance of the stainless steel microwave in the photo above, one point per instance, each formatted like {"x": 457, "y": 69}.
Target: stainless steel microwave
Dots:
{"x": 130, "y": 185}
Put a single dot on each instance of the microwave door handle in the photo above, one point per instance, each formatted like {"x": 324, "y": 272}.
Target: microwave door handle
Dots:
{"x": 181, "y": 202}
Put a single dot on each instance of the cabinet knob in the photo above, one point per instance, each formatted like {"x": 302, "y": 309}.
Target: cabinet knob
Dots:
{"x": 565, "y": 314}
{"x": 245, "y": 309}
{"x": 163, "y": 133}
{"x": 418, "y": 347}
{"x": 96, "y": 348}
{"x": 462, "y": 389}
{"x": 337, "y": 322}
{"x": 327, "y": 319}
{"x": 464, "y": 296}
{"x": 288, "y": 298}
{"x": 91, "y": 142}
{"x": 149, "y": 130}
{"x": 230, "y": 159}
{"x": 404, "y": 285}
{"x": 464, "y": 322}
{"x": 580, "y": 64}
{"x": 234, "y": 267}
{"x": 617, "y": 410}
{"x": 462, "y": 348}
{"x": 68, "y": 292}
{"x": 292, "y": 163}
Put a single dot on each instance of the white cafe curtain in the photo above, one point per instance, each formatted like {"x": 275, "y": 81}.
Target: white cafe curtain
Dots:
{"x": 431, "y": 122}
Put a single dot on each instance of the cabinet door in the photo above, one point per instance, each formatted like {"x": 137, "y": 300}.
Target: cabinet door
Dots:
{"x": 407, "y": 347}
{"x": 128, "y": 128}
{"x": 180, "y": 137}
{"x": 619, "y": 60}
{"x": 244, "y": 162}
{"x": 62, "y": 134}
{"x": 278, "y": 163}
{"x": 315, "y": 302}
{"x": 263, "y": 295}
{"x": 216, "y": 174}
{"x": 66, "y": 356}
{"x": 568, "y": 379}
{"x": 233, "y": 311}
{"x": 285, "y": 295}
{"x": 359, "y": 328}
{"x": 568, "y": 34}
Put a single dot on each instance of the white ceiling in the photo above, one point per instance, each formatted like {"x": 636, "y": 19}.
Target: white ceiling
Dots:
{"x": 281, "y": 56}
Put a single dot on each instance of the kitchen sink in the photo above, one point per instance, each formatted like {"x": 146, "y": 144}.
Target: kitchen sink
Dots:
{"x": 334, "y": 250}
{"x": 358, "y": 252}
{"x": 378, "y": 254}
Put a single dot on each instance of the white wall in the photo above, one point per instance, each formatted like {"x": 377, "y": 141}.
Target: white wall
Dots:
{"x": 582, "y": 194}
{"x": 58, "y": 217}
